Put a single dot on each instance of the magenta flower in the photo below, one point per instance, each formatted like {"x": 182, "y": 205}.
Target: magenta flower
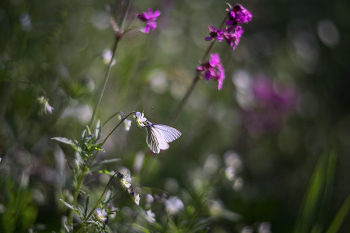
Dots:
{"x": 232, "y": 38}
{"x": 214, "y": 34}
{"x": 238, "y": 14}
{"x": 213, "y": 70}
{"x": 150, "y": 19}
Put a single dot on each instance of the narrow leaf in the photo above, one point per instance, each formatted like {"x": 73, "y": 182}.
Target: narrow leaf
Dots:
{"x": 64, "y": 140}
{"x": 98, "y": 130}
{"x": 88, "y": 131}
{"x": 72, "y": 207}
{"x": 83, "y": 134}
{"x": 87, "y": 205}
{"x": 70, "y": 166}
{"x": 339, "y": 218}
{"x": 312, "y": 196}
{"x": 105, "y": 162}
{"x": 108, "y": 196}
{"x": 142, "y": 228}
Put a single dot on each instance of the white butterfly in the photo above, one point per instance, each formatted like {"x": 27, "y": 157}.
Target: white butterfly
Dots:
{"x": 158, "y": 136}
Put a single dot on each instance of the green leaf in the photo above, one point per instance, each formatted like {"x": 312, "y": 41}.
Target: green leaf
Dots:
{"x": 64, "y": 140}
{"x": 74, "y": 143}
{"x": 141, "y": 228}
{"x": 88, "y": 131}
{"x": 87, "y": 204}
{"x": 105, "y": 162}
{"x": 98, "y": 130}
{"x": 312, "y": 196}
{"x": 339, "y": 218}
{"x": 76, "y": 210}
{"x": 83, "y": 134}
{"x": 108, "y": 196}
{"x": 67, "y": 227}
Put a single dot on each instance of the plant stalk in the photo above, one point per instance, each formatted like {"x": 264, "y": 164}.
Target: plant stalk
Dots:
{"x": 75, "y": 197}
{"x": 105, "y": 81}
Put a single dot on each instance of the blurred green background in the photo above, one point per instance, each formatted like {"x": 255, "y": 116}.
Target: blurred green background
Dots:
{"x": 279, "y": 129}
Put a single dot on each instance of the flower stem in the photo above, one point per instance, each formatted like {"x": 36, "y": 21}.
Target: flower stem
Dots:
{"x": 93, "y": 210}
{"x": 121, "y": 121}
{"x": 75, "y": 197}
{"x": 117, "y": 113}
{"x": 194, "y": 82}
{"x": 116, "y": 194}
{"x": 105, "y": 81}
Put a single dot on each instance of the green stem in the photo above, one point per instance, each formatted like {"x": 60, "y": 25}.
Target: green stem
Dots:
{"x": 116, "y": 194}
{"x": 93, "y": 210}
{"x": 105, "y": 81}
{"x": 194, "y": 82}
{"x": 121, "y": 121}
{"x": 121, "y": 113}
{"x": 75, "y": 197}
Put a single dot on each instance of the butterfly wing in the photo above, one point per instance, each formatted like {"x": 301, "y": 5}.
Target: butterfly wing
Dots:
{"x": 155, "y": 140}
{"x": 169, "y": 133}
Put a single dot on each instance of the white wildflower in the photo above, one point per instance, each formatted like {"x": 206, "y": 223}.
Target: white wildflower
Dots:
{"x": 150, "y": 216}
{"x": 173, "y": 206}
{"x": 101, "y": 215}
{"x": 137, "y": 199}
{"x": 44, "y": 106}
{"x": 126, "y": 181}
{"x": 140, "y": 119}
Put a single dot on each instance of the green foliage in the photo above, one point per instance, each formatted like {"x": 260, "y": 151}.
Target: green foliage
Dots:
{"x": 20, "y": 210}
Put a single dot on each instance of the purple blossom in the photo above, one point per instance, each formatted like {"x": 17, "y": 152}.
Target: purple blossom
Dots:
{"x": 215, "y": 34}
{"x": 213, "y": 70}
{"x": 150, "y": 19}
{"x": 232, "y": 38}
{"x": 238, "y": 14}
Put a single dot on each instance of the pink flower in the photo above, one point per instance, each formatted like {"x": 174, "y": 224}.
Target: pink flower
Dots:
{"x": 214, "y": 34}
{"x": 213, "y": 70}
{"x": 150, "y": 19}
{"x": 238, "y": 14}
{"x": 233, "y": 38}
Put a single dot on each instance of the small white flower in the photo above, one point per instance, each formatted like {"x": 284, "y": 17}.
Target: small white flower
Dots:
{"x": 44, "y": 106}
{"x": 127, "y": 124}
{"x": 107, "y": 55}
{"x": 173, "y": 206}
{"x": 101, "y": 215}
{"x": 137, "y": 199}
{"x": 140, "y": 119}
{"x": 126, "y": 181}
{"x": 150, "y": 216}
{"x": 149, "y": 199}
